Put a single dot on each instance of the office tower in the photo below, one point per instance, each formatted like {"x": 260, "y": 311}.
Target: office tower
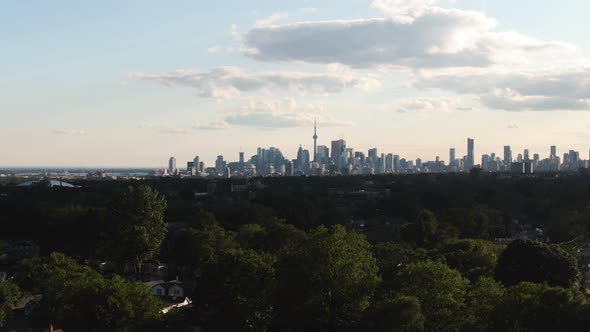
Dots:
{"x": 360, "y": 156}
{"x": 322, "y": 154}
{"x": 201, "y": 167}
{"x": 172, "y": 165}
{"x": 519, "y": 158}
{"x": 507, "y": 157}
{"x": 372, "y": 155}
{"x": 220, "y": 165}
{"x": 470, "y": 155}
{"x": 315, "y": 140}
{"x": 288, "y": 168}
{"x": 389, "y": 163}
{"x": 196, "y": 164}
{"x": 306, "y": 160}
{"x": 418, "y": 162}
{"x": 452, "y": 157}
{"x": 485, "y": 161}
{"x": 190, "y": 167}
{"x": 553, "y": 154}
{"x": 338, "y": 148}
{"x": 396, "y": 163}
{"x": 526, "y": 155}
{"x": 300, "y": 161}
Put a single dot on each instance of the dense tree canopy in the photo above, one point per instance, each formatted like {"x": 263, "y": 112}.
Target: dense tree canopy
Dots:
{"x": 329, "y": 280}
{"x": 525, "y": 260}
{"x": 138, "y": 226}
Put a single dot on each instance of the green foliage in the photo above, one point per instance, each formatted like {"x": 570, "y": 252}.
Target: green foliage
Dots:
{"x": 393, "y": 256}
{"x": 329, "y": 281}
{"x": 482, "y": 299}
{"x": 398, "y": 314}
{"x": 138, "y": 227}
{"x": 9, "y": 297}
{"x": 238, "y": 286}
{"x": 79, "y": 299}
{"x": 440, "y": 290}
{"x": 473, "y": 258}
{"x": 537, "y": 307}
{"x": 424, "y": 232}
{"x": 526, "y": 260}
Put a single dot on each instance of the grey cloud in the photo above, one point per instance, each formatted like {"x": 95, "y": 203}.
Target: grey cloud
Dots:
{"x": 542, "y": 91}
{"x": 231, "y": 82}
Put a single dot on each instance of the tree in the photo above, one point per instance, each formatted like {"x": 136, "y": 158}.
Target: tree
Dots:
{"x": 235, "y": 291}
{"x": 9, "y": 297}
{"x": 473, "y": 258}
{"x": 537, "y": 307}
{"x": 401, "y": 313}
{"x": 392, "y": 257}
{"x": 526, "y": 260}
{"x": 441, "y": 291}
{"x": 481, "y": 301}
{"x": 138, "y": 227}
{"x": 327, "y": 283}
{"x": 78, "y": 298}
{"x": 424, "y": 232}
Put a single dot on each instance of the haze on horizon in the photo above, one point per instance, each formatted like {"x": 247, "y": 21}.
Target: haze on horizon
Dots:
{"x": 122, "y": 83}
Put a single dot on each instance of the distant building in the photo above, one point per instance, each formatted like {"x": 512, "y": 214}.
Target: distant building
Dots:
{"x": 172, "y": 165}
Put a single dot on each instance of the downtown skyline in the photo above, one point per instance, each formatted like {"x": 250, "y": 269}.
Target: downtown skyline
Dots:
{"x": 121, "y": 84}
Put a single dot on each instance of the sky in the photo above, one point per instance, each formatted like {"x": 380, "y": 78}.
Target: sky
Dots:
{"x": 132, "y": 83}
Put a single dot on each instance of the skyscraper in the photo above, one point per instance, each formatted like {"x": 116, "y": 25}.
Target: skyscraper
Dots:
{"x": 172, "y": 165}
{"x": 553, "y": 152}
{"x": 315, "y": 141}
{"x": 470, "y": 156}
{"x": 337, "y": 149}
{"x": 526, "y": 155}
{"x": 507, "y": 157}
{"x": 196, "y": 163}
{"x": 452, "y": 157}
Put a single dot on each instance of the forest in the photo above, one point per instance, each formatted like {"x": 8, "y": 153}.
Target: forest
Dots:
{"x": 424, "y": 252}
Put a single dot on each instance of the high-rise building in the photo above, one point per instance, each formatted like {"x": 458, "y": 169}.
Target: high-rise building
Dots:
{"x": 172, "y": 165}
{"x": 372, "y": 155}
{"x": 190, "y": 167}
{"x": 507, "y": 157}
{"x": 315, "y": 140}
{"x": 451, "y": 157}
{"x": 553, "y": 154}
{"x": 470, "y": 155}
{"x": 220, "y": 165}
{"x": 322, "y": 154}
{"x": 526, "y": 155}
{"x": 337, "y": 149}
{"x": 196, "y": 164}
{"x": 389, "y": 163}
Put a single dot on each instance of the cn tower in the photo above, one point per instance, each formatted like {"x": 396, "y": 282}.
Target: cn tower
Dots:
{"x": 315, "y": 139}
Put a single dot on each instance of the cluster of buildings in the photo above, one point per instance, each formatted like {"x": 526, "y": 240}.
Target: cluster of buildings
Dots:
{"x": 339, "y": 159}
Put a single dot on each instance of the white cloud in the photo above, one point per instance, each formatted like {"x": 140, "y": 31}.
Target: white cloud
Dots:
{"x": 214, "y": 125}
{"x": 70, "y": 132}
{"x": 566, "y": 89}
{"x": 403, "y": 11}
{"x": 426, "y": 104}
{"x": 271, "y": 19}
{"x": 414, "y": 34}
{"x": 231, "y": 82}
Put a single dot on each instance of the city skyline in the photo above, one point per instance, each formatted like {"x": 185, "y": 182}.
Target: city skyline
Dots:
{"x": 121, "y": 84}
{"x": 339, "y": 157}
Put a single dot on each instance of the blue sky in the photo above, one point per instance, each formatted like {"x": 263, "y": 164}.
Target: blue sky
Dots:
{"x": 131, "y": 83}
